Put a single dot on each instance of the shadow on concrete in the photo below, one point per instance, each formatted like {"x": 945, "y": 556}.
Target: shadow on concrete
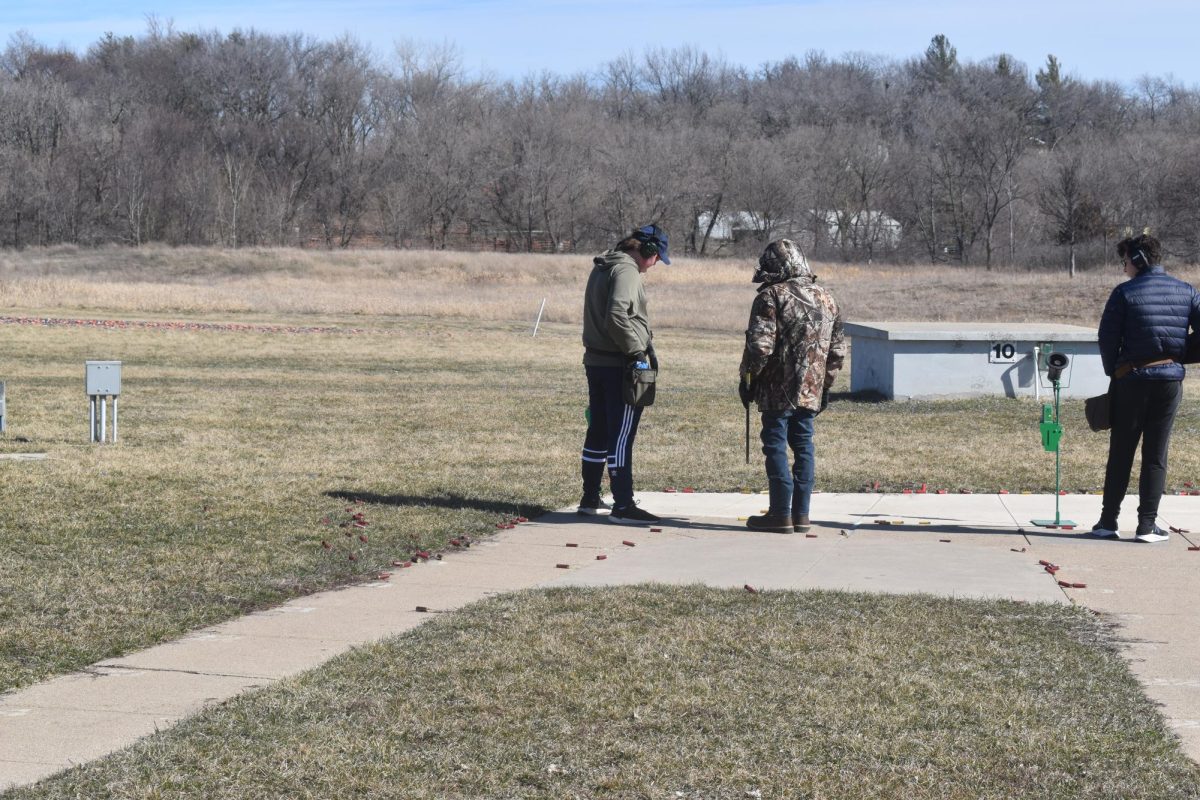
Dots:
{"x": 506, "y": 507}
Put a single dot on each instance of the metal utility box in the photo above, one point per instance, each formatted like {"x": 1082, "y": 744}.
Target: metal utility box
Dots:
{"x": 102, "y": 378}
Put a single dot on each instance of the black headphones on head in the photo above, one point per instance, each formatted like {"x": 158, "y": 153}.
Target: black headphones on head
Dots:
{"x": 648, "y": 248}
{"x": 1136, "y": 253}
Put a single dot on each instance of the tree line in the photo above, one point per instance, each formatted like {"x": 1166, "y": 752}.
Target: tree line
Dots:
{"x": 253, "y": 139}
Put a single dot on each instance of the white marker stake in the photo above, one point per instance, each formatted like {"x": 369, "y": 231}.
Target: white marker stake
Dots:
{"x": 538, "y": 321}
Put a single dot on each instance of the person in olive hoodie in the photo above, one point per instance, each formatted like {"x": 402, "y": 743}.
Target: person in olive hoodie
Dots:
{"x": 616, "y": 332}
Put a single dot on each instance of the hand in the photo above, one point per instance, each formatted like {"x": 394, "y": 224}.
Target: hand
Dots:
{"x": 824, "y": 399}
{"x": 652, "y": 357}
{"x": 745, "y": 392}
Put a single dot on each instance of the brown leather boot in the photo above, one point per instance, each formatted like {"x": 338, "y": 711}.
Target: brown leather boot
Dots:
{"x": 772, "y": 523}
{"x": 803, "y": 525}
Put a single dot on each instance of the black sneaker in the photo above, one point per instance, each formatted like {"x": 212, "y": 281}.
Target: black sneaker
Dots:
{"x": 591, "y": 506}
{"x": 632, "y": 515}
{"x": 1151, "y": 534}
{"x": 1104, "y": 530}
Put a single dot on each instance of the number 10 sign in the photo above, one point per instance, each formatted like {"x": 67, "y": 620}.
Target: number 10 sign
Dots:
{"x": 1002, "y": 353}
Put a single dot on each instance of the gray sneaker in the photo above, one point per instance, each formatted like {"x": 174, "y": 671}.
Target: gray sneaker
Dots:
{"x": 1152, "y": 535}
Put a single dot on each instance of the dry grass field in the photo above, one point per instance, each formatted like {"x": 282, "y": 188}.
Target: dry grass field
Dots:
{"x": 245, "y": 444}
{"x": 691, "y": 293}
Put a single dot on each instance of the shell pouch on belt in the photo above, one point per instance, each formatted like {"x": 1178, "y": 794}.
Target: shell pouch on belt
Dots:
{"x": 1096, "y": 410}
{"x": 638, "y": 385}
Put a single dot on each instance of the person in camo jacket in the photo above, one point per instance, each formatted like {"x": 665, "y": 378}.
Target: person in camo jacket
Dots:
{"x": 794, "y": 349}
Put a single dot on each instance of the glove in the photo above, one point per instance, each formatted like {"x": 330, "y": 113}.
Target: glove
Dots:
{"x": 744, "y": 392}
{"x": 824, "y": 399}
{"x": 652, "y": 356}
{"x": 639, "y": 356}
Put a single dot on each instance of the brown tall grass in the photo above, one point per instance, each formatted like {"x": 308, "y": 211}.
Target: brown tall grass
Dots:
{"x": 690, "y": 293}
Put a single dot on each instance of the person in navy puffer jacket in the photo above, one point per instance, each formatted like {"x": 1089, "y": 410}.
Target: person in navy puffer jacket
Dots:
{"x": 1143, "y": 335}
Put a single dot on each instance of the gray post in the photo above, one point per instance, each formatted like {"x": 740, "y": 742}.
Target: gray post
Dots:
{"x": 3, "y": 411}
{"x": 92, "y": 419}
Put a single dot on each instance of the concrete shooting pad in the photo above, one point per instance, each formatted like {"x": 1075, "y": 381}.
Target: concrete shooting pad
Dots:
{"x": 961, "y": 545}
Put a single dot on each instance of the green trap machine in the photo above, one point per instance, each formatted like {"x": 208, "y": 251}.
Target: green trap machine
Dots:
{"x": 1051, "y": 430}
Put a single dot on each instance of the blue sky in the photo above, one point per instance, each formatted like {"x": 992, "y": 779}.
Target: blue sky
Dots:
{"x": 512, "y": 38}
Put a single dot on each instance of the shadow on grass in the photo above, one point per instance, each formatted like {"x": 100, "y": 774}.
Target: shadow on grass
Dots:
{"x": 864, "y": 396}
{"x": 440, "y": 501}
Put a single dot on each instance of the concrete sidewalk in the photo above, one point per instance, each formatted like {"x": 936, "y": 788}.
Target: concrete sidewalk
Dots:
{"x": 978, "y": 546}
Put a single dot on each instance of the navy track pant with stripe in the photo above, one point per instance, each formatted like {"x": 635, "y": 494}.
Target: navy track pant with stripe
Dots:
{"x": 612, "y": 427}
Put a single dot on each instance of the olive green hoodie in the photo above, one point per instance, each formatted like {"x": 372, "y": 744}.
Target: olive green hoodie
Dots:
{"x": 615, "y": 323}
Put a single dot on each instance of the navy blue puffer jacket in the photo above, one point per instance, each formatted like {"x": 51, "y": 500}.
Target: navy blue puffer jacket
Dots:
{"x": 1147, "y": 319}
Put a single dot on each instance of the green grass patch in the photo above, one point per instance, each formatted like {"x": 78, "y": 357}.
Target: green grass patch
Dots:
{"x": 684, "y": 692}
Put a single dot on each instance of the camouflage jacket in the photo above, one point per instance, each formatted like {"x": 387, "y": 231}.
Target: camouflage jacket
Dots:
{"x": 794, "y": 345}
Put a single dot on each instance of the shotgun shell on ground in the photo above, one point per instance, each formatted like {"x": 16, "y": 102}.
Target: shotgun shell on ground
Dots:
{"x": 422, "y": 609}
{"x": 750, "y": 589}
{"x": 656, "y": 530}
{"x": 601, "y": 557}
{"x": 563, "y": 566}
{"x": 628, "y": 543}
{"x": 572, "y": 544}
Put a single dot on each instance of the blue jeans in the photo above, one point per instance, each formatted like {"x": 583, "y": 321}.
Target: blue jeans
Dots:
{"x": 791, "y": 485}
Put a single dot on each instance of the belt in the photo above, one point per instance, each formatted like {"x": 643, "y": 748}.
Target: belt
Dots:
{"x": 1124, "y": 369}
